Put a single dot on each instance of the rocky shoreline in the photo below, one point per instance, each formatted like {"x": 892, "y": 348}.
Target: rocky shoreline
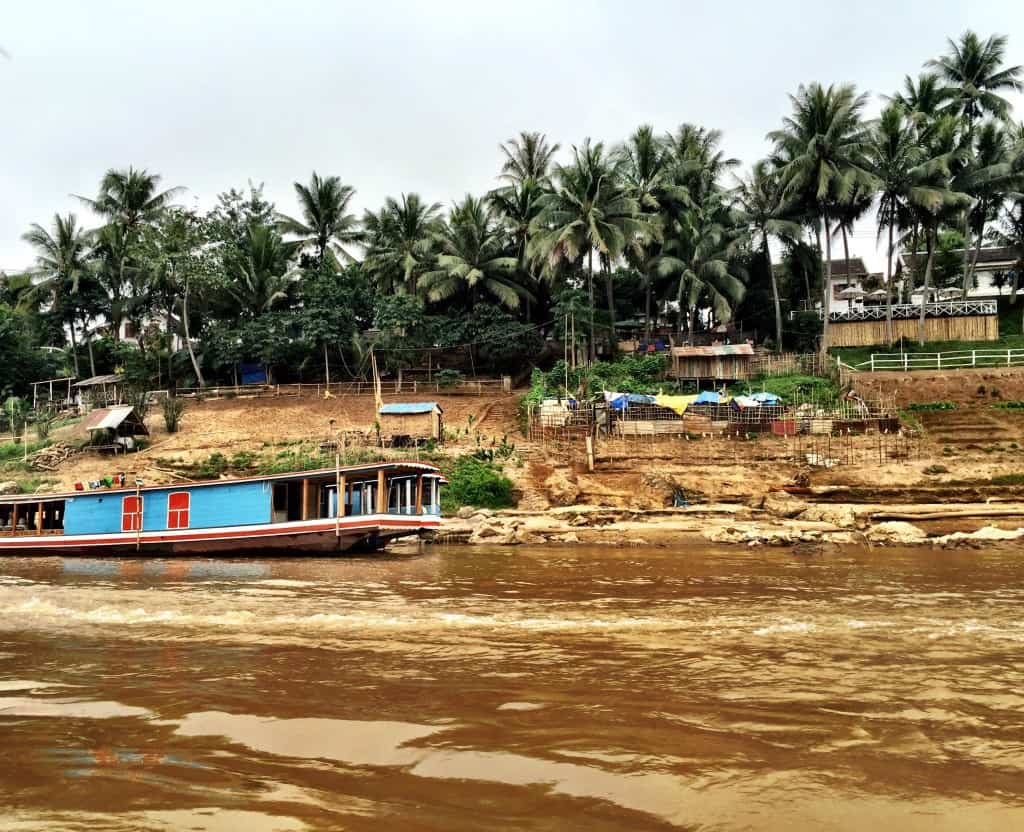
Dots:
{"x": 779, "y": 522}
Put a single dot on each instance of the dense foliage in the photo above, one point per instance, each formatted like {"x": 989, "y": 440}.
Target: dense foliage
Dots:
{"x": 576, "y": 244}
{"x": 474, "y": 482}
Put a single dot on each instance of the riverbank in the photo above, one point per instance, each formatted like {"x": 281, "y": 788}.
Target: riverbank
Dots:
{"x": 780, "y": 521}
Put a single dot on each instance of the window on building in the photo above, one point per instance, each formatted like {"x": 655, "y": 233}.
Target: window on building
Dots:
{"x": 131, "y": 514}
{"x": 178, "y": 505}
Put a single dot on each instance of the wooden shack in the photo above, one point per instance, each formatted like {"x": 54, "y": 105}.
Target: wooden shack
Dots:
{"x": 114, "y": 428}
{"x": 724, "y": 362}
{"x": 100, "y": 391}
{"x": 406, "y": 423}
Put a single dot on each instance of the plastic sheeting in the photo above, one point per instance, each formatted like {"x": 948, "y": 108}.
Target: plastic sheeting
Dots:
{"x": 676, "y": 404}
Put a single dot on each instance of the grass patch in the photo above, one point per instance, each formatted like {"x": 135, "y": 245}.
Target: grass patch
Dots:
{"x": 930, "y": 407}
{"x": 473, "y": 482}
{"x": 1008, "y": 479}
{"x": 790, "y": 389}
{"x": 1012, "y": 404}
{"x": 860, "y": 355}
{"x": 16, "y": 450}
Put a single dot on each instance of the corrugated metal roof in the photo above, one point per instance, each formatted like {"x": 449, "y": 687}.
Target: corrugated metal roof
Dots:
{"x": 113, "y": 378}
{"x": 407, "y": 408}
{"x": 106, "y": 417}
{"x": 713, "y": 352}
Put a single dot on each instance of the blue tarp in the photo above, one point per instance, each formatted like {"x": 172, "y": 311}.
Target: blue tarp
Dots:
{"x": 765, "y": 398}
{"x": 252, "y": 373}
{"x": 708, "y": 397}
{"x": 621, "y": 401}
{"x": 406, "y": 408}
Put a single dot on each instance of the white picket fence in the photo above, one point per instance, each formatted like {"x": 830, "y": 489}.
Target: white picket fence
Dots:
{"x": 965, "y": 359}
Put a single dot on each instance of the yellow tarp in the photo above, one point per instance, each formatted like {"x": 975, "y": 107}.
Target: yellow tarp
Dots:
{"x": 678, "y": 404}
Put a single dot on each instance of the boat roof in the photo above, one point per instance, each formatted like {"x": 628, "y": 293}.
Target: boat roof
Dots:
{"x": 346, "y": 470}
{"x": 408, "y": 408}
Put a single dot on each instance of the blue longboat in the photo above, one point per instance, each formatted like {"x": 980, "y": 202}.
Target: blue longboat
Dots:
{"x": 284, "y": 514}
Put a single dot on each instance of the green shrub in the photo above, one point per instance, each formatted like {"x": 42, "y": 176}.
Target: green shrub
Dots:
{"x": 448, "y": 378}
{"x": 928, "y": 407}
{"x": 1008, "y": 479}
{"x": 1012, "y": 404}
{"x": 213, "y": 466}
{"x": 473, "y": 482}
{"x": 172, "y": 407}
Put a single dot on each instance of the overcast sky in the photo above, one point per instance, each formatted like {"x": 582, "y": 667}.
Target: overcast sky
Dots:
{"x": 404, "y": 96}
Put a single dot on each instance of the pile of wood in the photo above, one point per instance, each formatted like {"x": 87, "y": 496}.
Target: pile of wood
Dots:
{"x": 51, "y": 457}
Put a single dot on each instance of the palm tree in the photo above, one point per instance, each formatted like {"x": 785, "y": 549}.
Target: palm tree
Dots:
{"x": 127, "y": 199}
{"x": 643, "y": 164}
{"x": 527, "y": 157}
{"x": 989, "y": 174}
{"x": 942, "y": 149}
{"x": 326, "y": 224}
{"x": 517, "y": 205}
{"x": 700, "y": 252}
{"x": 820, "y": 149}
{"x": 1009, "y": 232}
{"x": 974, "y": 70}
{"x": 926, "y": 99}
{"x": 399, "y": 241}
{"x": 910, "y": 181}
{"x": 589, "y": 210}
{"x": 61, "y": 256}
{"x": 261, "y": 278}
{"x": 759, "y": 199}
{"x": 473, "y": 256}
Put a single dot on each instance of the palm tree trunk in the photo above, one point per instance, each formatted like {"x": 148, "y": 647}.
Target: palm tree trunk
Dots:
{"x": 609, "y": 289}
{"x": 965, "y": 276}
{"x": 826, "y": 291}
{"x": 974, "y": 257}
{"x": 821, "y": 255}
{"x": 188, "y": 339}
{"x": 648, "y": 291}
{"x": 691, "y": 322}
{"x": 846, "y": 254}
{"x": 590, "y": 297}
{"x": 92, "y": 358}
{"x": 929, "y": 240}
{"x": 775, "y": 296}
{"x": 327, "y": 364}
{"x": 172, "y": 381}
{"x": 74, "y": 347}
{"x": 888, "y": 291}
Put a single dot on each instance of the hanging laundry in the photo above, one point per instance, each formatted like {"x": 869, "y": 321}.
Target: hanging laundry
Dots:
{"x": 677, "y": 404}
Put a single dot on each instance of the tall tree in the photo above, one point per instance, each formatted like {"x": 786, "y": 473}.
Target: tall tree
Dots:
{"x": 127, "y": 200}
{"x": 759, "y": 199}
{"x": 588, "y": 211}
{"x": 528, "y": 157}
{"x": 976, "y": 73}
{"x": 472, "y": 257}
{"x": 60, "y": 267}
{"x": 643, "y": 164}
{"x": 399, "y": 242}
{"x": 326, "y": 224}
{"x": 820, "y": 150}
{"x": 263, "y": 278}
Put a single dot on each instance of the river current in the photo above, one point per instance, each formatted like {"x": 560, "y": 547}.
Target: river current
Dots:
{"x": 529, "y": 688}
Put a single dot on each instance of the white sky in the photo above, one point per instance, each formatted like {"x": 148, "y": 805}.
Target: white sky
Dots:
{"x": 414, "y": 96}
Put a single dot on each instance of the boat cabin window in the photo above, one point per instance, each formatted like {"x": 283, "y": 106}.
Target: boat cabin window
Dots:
{"x": 402, "y": 495}
{"x": 287, "y": 502}
{"x": 131, "y": 514}
{"x": 178, "y": 505}
{"x": 32, "y": 518}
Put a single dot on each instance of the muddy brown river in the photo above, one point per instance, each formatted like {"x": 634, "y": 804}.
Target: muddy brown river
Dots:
{"x": 528, "y": 688}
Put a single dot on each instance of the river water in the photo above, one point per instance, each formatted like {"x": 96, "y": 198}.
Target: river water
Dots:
{"x": 528, "y": 688}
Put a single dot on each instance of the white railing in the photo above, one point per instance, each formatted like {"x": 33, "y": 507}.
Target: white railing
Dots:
{"x": 966, "y": 359}
{"x": 905, "y": 311}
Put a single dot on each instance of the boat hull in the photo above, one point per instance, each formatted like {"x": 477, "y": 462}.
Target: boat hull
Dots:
{"x": 283, "y": 539}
